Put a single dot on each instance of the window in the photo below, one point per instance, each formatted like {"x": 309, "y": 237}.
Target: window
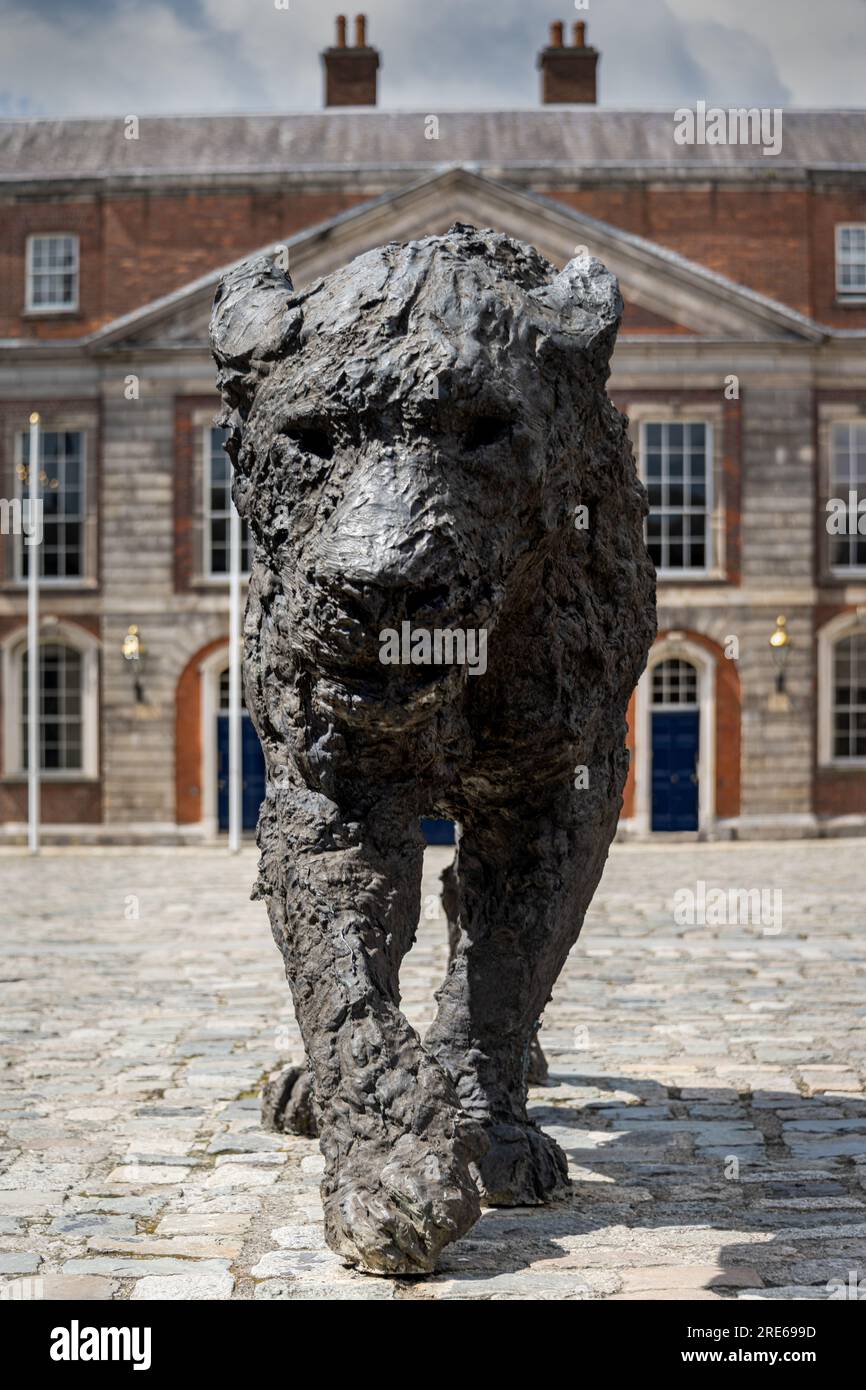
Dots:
{"x": 677, "y": 463}
{"x": 52, "y": 272}
{"x": 68, "y": 702}
{"x": 851, "y": 259}
{"x": 674, "y": 682}
{"x": 224, "y": 693}
{"x": 62, "y": 486}
{"x": 848, "y": 485}
{"x": 61, "y": 725}
{"x": 849, "y": 697}
{"x": 218, "y": 505}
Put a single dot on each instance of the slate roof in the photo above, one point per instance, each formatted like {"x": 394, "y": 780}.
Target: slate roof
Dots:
{"x": 363, "y": 139}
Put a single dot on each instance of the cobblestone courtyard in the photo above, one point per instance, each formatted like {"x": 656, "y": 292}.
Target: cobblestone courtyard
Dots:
{"x": 708, "y": 1086}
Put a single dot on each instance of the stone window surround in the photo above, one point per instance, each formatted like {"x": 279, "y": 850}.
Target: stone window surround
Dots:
{"x": 77, "y": 421}
{"x": 202, "y": 423}
{"x": 12, "y": 650}
{"x": 832, "y": 413}
{"x": 63, "y": 306}
{"x": 844, "y": 625}
{"x": 845, "y": 295}
{"x": 643, "y": 412}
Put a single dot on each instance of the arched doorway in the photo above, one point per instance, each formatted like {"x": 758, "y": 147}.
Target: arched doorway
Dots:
{"x": 214, "y": 743}
{"x": 675, "y": 722}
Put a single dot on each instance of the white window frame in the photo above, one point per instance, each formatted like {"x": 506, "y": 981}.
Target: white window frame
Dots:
{"x": 208, "y": 515}
{"x": 63, "y": 306}
{"x": 22, "y": 461}
{"x": 13, "y": 650}
{"x": 674, "y": 705}
{"x": 845, "y": 258}
{"x": 837, "y": 630}
{"x": 709, "y": 569}
{"x": 833, "y": 423}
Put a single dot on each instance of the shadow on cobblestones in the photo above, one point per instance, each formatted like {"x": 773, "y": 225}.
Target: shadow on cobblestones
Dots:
{"x": 703, "y": 1189}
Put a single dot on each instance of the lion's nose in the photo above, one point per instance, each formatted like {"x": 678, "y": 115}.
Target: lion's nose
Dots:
{"x": 387, "y": 532}
{"x": 371, "y": 543}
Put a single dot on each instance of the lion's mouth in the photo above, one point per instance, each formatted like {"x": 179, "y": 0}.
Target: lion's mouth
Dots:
{"x": 413, "y": 639}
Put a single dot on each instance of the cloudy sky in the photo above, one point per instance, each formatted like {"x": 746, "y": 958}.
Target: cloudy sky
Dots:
{"x": 95, "y": 57}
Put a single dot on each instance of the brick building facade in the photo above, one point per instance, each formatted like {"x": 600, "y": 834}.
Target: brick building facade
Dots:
{"x": 741, "y": 367}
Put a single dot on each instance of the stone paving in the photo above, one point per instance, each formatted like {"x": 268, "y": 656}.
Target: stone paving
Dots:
{"x": 708, "y": 1087}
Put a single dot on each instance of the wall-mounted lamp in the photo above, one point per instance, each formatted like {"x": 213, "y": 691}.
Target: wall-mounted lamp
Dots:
{"x": 780, "y": 644}
{"x": 134, "y": 652}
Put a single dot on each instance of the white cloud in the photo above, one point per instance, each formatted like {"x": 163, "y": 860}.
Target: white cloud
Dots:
{"x": 818, "y": 48}
{"x": 84, "y": 57}
{"x": 134, "y": 59}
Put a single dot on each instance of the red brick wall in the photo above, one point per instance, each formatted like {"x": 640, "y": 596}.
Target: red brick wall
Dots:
{"x": 777, "y": 241}
{"x": 136, "y": 247}
{"x": 61, "y": 803}
{"x": 826, "y": 210}
{"x": 20, "y": 220}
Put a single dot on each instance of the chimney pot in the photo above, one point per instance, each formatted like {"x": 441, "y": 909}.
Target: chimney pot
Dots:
{"x": 569, "y": 75}
{"x": 351, "y": 74}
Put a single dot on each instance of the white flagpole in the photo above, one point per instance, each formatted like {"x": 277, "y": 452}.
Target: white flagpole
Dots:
{"x": 235, "y": 747}
{"x": 33, "y": 662}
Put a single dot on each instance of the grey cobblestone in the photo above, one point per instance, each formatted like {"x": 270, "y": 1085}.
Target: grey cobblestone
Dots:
{"x": 707, "y": 1085}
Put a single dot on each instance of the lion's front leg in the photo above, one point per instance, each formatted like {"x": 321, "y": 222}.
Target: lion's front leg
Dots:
{"x": 525, "y": 875}
{"x": 343, "y": 898}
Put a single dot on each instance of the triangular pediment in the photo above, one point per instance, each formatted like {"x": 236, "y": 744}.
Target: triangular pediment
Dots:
{"x": 664, "y": 293}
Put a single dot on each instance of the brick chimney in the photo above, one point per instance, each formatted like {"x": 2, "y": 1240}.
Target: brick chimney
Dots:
{"x": 568, "y": 75}
{"x": 351, "y": 73}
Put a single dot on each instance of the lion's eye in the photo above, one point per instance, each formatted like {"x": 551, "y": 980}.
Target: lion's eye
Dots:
{"x": 487, "y": 430}
{"x": 313, "y": 441}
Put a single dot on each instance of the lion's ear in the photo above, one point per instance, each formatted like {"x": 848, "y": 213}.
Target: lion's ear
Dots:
{"x": 252, "y": 322}
{"x": 585, "y": 299}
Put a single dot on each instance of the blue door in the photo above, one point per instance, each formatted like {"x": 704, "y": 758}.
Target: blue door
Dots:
{"x": 253, "y": 764}
{"x": 675, "y": 742}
